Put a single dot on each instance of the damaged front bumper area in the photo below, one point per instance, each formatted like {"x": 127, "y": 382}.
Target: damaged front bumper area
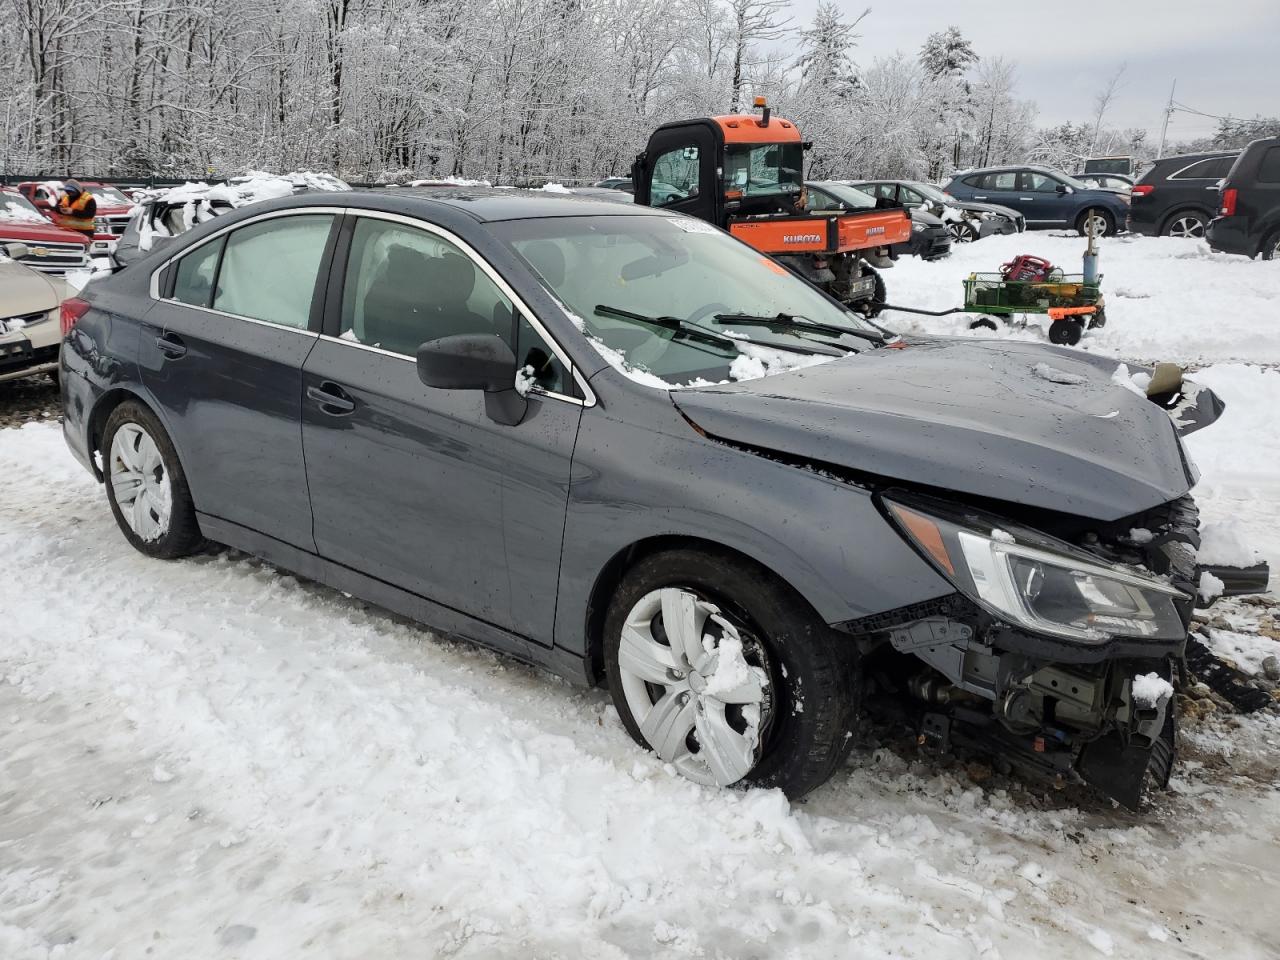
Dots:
{"x": 1056, "y": 653}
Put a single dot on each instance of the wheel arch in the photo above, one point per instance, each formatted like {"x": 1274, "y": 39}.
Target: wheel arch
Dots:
{"x": 98, "y": 416}
{"x": 611, "y": 575}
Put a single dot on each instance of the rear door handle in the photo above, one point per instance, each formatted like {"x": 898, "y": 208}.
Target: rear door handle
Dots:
{"x": 171, "y": 345}
{"x": 332, "y": 399}
{"x": 976, "y": 197}
{"x": 1026, "y": 198}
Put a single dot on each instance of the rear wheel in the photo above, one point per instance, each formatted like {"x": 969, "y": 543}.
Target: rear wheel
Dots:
{"x": 145, "y": 484}
{"x": 983, "y": 323}
{"x": 1096, "y": 221}
{"x": 1271, "y": 247}
{"x": 1186, "y": 223}
{"x": 726, "y": 674}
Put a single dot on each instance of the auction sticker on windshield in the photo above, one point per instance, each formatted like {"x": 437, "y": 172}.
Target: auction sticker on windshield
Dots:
{"x": 689, "y": 225}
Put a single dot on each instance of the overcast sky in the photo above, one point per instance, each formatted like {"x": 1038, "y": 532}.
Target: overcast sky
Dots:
{"x": 1223, "y": 53}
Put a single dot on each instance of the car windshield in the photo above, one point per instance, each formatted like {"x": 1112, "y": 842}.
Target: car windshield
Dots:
{"x": 14, "y": 206}
{"x": 775, "y": 168}
{"x": 929, "y": 191}
{"x": 1069, "y": 180}
{"x": 851, "y": 197}
{"x": 108, "y": 195}
{"x": 642, "y": 288}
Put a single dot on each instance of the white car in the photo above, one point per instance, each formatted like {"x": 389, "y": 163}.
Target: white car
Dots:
{"x": 30, "y": 334}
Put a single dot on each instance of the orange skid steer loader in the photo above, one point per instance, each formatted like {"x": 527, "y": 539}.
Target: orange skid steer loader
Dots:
{"x": 745, "y": 174}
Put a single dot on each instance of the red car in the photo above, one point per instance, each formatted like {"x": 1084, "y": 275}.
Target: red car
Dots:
{"x": 50, "y": 249}
{"x": 114, "y": 208}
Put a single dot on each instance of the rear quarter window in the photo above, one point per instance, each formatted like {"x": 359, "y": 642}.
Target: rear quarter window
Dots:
{"x": 1269, "y": 166}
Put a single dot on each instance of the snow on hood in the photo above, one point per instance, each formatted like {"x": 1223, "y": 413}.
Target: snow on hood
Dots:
{"x": 19, "y": 212}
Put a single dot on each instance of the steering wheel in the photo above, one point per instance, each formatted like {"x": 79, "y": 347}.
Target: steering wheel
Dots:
{"x": 710, "y": 310}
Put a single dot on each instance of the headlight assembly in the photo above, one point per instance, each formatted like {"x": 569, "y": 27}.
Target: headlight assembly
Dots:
{"x": 1041, "y": 584}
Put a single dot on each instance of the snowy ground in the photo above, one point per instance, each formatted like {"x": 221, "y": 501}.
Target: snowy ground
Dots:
{"x": 212, "y": 759}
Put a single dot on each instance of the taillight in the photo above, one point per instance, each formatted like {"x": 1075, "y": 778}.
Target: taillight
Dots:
{"x": 1228, "y": 208}
{"x": 72, "y": 310}
{"x": 1143, "y": 189}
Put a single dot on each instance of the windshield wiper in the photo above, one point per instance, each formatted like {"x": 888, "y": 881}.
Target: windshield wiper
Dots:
{"x": 798, "y": 323}
{"x": 691, "y": 330}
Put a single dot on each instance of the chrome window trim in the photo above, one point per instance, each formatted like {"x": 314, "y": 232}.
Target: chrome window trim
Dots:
{"x": 414, "y": 223}
{"x": 1177, "y": 174}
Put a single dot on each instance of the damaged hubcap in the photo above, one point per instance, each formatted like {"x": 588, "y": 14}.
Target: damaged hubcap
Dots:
{"x": 697, "y": 684}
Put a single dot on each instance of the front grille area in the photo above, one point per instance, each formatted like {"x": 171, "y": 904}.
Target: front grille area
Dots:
{"x": 57, "y": 257}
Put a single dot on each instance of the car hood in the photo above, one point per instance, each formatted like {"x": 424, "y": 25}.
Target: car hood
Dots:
{"x": 35, "y": 231}
{"x": 1034, "y": 425}
{"x": 925, "y": 218}
{"x": 23, "y": 290}
{"x": 979, "y": 207}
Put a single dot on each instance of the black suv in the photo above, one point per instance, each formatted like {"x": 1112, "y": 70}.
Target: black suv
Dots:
{"x": 1178, "y": 196}
{"x": 1248, "y": 219}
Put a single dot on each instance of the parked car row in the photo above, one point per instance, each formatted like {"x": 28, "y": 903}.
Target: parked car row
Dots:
{"x": 36, "y": 241}
{"x": 1045, "y": 198}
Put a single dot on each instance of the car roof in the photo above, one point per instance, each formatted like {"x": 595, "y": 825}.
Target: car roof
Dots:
{"x": 1205, "y": 155}
{"x": 486, "y": 204}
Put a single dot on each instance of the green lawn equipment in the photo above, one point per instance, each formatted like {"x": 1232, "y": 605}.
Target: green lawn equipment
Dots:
{"x": 1031, "y": 285}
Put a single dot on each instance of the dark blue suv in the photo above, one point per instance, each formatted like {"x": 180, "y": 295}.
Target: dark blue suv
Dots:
{"x": 1045, "y": 197}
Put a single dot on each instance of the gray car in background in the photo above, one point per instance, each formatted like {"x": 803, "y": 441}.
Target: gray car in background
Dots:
{"x": 617, "y": 443}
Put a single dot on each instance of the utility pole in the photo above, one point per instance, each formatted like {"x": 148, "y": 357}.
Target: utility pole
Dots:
{"x": 1164, "y": 127}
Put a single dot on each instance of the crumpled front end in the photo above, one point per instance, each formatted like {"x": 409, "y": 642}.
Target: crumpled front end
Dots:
{"x": 1057, "y": 652}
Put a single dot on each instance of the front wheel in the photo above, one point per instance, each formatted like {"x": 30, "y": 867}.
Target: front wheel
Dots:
{"x": 1065, "y": 332}
{"x": 146, "y": 487}
{"x": 727, "y": 675}
{"x": 1271, "y": 247}
{"x": 1096, "y": 222}
{"x": 962, "y": 233}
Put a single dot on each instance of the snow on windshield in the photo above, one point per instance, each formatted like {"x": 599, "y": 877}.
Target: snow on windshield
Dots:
{"x": 16, "y": 208}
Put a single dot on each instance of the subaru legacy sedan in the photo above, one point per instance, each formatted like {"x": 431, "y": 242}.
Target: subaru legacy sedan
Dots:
{"x": 621, "y": 445}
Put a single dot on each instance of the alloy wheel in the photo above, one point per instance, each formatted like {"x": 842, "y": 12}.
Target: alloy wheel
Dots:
{"x": 696, "y": 680}
{"x": 961, "y": 232}
{"x": 140, "y": 482}
{"x": 1188, "y": 226}
{"x": 1095, "y": 225}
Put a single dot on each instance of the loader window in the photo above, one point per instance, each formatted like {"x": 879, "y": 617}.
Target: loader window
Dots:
{"x": 769, "y": 169}
{"x": 675, "y": 176}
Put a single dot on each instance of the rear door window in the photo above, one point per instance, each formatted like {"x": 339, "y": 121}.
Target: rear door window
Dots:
{"x": 269, "y": 269}
{"x": 1000, "y": 181}
{"x": 1200, "y": 170}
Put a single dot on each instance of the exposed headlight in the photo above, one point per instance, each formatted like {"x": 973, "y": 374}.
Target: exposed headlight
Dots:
{"x": 1040, "y": 583}
{"x": 917, "y": 227}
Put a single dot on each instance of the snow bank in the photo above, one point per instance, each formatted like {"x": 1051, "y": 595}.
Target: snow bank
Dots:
{"x": 1227, "y": 542}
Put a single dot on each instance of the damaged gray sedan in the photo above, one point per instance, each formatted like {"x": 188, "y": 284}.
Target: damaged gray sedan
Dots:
{"x": 619, "y": 444}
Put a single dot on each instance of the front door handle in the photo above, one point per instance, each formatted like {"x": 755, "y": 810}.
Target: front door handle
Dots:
{"x": 1026, "y": 198}
{"x": 171, "y": 345}
{"x": 976, "y": 197}
{"x": 332, "y": 399}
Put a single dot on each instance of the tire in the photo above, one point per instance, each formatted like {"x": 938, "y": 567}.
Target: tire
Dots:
{"x": 806, "y": 674}
{"x": 1185, "y": 223}
{"x": 1065, "y": 332}
{"x": 145, "y": 459}
{"x": 962, "y": 233}
{"x": 983, "y": 323}
{"x": 1098, "y": 320}
{"x": 873, "y": 307}
{"x": 1108, "y": 222}
{"x": 1270, "y": 249}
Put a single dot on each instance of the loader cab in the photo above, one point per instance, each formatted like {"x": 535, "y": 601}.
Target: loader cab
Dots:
{"x": 717, "y": 168}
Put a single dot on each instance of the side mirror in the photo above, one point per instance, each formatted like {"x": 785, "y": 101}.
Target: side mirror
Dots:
{"x": 475, "y": 361}
{"x": 16, "y": 251}
{"x": 1063, "y": 188}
